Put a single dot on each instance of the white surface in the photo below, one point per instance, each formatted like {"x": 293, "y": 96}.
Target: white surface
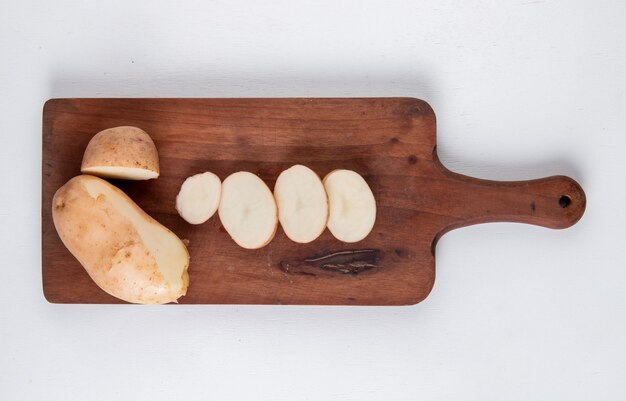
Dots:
{"x": 521, "y": 90}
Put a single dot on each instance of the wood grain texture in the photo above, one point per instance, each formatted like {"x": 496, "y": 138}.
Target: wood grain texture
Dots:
{"x": 390, "y": 141}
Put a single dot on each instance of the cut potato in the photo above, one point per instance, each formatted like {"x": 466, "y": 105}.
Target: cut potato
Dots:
{"x": 125, "y": 251}
{"x": 122, "y": 173}
{"x": 199, "y": 197}
{"x": 122, "y": 152}
{"x": 302, "y": 203}
{"x": 352, "y": 207}
{"x": 247, "y": 210}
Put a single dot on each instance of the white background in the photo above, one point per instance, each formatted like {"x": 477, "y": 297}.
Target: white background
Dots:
{"x": 521, "y": 89}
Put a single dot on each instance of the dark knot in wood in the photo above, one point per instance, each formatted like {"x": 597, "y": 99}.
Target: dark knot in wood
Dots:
{"x": 350, "y": 262}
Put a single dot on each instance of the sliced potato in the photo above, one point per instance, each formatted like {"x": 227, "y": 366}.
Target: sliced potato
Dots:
{"x": 352, "y": 207}
{"x": 302, "y": 203}
{"x": 247, "y": 210}
{"x": 121, "y": 152}
{"x": 199, "y": 197}
{"x": 125, "y": 251}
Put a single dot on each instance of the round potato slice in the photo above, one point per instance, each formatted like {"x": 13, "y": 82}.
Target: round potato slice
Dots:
{"x": 199, "y": 197}
{"x": 302, "y": 203}
{"x": 122, "y": 152}
{"x": 352, "y": 207}
{"x": 247, "y": 210}
{"x": 125, "y": 251}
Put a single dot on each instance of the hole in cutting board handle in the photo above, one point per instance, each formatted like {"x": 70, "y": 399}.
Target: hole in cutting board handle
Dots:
{"x": 564, "y": 201}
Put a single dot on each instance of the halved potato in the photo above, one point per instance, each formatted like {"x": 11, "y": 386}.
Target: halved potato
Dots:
{"x": 199, "y": 197}
{"x": 352, "y": 207}
{"x": 302, "y": 203}
{"x": 122, "y": 152}
{"x": 125, "y": 251}
{"x": 248, "y": 210}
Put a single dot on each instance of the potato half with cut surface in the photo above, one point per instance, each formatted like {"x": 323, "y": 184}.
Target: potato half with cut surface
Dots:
{"x": 302, "y": 203}
{"x": 125, "y": 251}
{"x": 248, "y": 210}
{"x": 352, "y": 207}
{"x": 199, "y": 197}
{"x": 126, "y": 153}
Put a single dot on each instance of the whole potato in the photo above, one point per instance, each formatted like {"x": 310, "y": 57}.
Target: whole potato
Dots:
{"x": 125, "y": 251}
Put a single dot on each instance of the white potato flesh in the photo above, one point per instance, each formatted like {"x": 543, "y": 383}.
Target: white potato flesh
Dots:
{"x": 199, "y": 197}
{"x": 352, "y": 207}
{"x": 302, "y": 203}
{"x": 125, "y": 251}
{"x": 126, "y": 173}
{"x": 247, "y": 210}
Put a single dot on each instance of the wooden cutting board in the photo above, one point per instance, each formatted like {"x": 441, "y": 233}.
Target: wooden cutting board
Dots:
{"x": 390, "y": 141}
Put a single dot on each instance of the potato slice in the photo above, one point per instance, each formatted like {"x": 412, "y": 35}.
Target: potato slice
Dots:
{"x": 247, "y": 210}
{"x": 199, "y": 197}
{"x": 122, "y": 152}
{"x": 125, "y": 251}
{"x": 302, "y": 203}
{"x": 352, "y": 207}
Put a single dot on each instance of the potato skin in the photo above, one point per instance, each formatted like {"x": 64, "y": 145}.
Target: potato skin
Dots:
{"x": 121, "y": 147}
{"x": 108, "y": 245}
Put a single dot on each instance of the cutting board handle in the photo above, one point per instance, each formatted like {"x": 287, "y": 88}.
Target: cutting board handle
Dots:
{"x": 553, "y": 202}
